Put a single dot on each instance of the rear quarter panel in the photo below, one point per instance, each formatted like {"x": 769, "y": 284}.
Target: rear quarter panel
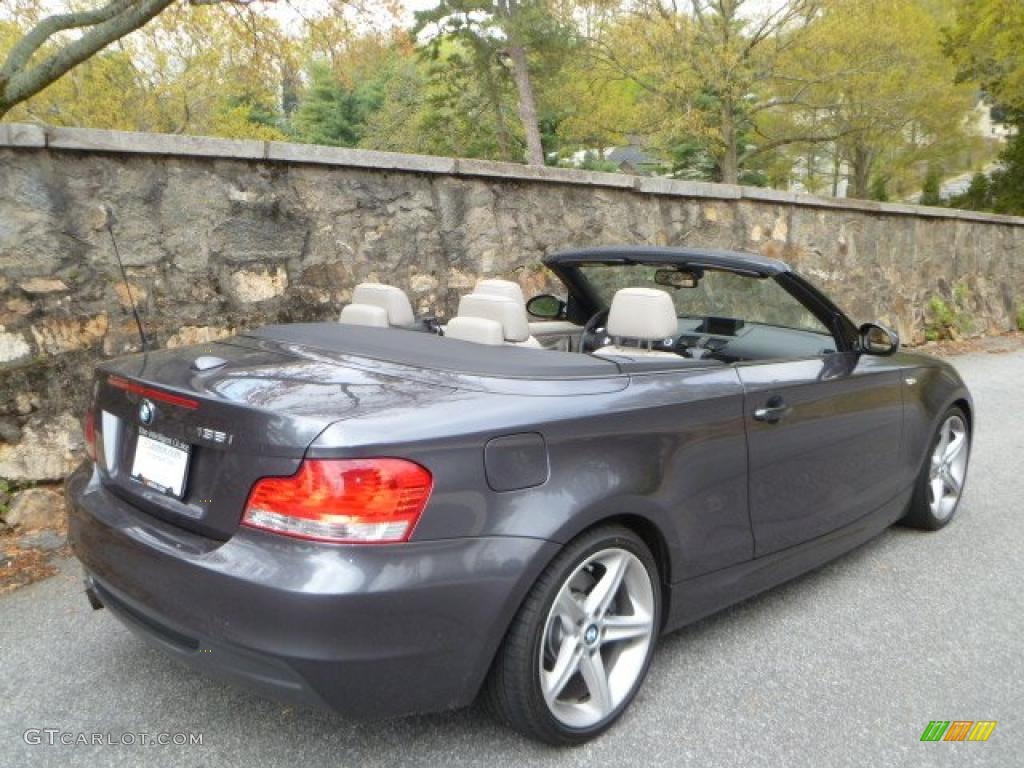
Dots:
{"x": 667, "y": 447}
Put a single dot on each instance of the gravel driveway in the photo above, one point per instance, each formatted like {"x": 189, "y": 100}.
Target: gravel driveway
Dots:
{"x": 845, "y": 666}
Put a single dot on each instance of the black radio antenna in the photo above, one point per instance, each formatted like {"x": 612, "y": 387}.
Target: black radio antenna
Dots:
{"x": 109, "y": 216}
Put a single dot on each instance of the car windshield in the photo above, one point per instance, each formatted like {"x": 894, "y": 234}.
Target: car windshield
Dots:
{"x": 718, "y": 293}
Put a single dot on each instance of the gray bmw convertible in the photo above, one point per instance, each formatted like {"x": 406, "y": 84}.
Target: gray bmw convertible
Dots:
{"x": 389, "y": 514}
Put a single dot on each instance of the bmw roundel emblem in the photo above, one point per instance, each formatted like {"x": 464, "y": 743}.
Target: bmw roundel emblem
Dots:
{"x": 147, "y": 412}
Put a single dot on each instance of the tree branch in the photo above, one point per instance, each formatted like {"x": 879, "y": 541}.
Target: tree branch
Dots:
{"x": 108, "y": 24}
{"x": 20, "y": 81}
{"x": 51, "y": 25}
{"x": 782, "y": 142}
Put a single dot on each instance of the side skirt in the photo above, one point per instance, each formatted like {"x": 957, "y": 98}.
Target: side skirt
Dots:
{"x": 701, "y": 596}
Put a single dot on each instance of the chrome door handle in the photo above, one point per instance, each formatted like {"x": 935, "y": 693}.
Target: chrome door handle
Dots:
{"x": 772, "y": 411}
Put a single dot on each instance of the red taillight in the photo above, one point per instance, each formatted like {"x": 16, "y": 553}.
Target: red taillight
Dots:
{"x": 342, "y": 500}
{"x": 89, "y": 430}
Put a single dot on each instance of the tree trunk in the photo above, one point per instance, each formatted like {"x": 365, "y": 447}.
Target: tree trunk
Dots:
{"x": 505, "y": 141}
{"x": 730, "y": 157}
{"x": 501, "y": 129}
{"x": 860, "y": 165}
{"x": 527, "y": 106}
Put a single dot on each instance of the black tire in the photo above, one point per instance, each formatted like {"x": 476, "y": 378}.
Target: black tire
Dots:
{"x": 920, "y": 513}
{"x": 513, "y": 689}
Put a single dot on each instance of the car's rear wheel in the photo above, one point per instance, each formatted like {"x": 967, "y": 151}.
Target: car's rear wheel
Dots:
{"x": 941, "y": 482}
{"x": 579, "y": 648}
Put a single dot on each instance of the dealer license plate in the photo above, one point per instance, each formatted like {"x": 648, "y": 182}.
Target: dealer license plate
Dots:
{"x": 161, "y": 463}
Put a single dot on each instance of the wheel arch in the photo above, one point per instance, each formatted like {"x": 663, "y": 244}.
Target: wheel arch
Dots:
{"x": 961, "y": 400}
{"x": 964, "y": 404}
{"x": 654, "y": 538}
{"x": 649, "y": 533}
{"x": 640, "y": 520}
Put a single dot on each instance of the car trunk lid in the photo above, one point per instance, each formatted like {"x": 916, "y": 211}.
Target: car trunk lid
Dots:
{"x": 225, "y": 414}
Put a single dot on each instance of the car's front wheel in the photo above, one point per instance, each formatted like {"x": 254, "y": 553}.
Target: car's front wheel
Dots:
{"x": 580, "y": 646}
{"x": 941, "y": 482}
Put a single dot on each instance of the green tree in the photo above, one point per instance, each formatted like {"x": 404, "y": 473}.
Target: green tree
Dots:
{"x": 512, "y": 33}
{"x": 442, "y": 104}
{"x": 1007, "y": 188}
{"x": 872, "y": 71}
{"x": 880, "y": 188}
{"x": 210, "y": 70}
{"x": 190, "y": 70}
{"x": 222, "y": 67}
{"x": 709, "y": 72}
{"x": 978, "y": 195}
{"x": 465, "y": 73}
{"x": 931, "y": 189}
{"x": 598, "y": 107}
{"x": 596, "y": 104}
{"x": 44, "y": 53}
{"x": 334, "y": 112}
{"x": 986, "y": 43}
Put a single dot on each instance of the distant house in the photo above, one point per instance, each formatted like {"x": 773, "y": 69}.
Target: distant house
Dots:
{"x": 989, "y": 121}
{"x": 633, "y": 159}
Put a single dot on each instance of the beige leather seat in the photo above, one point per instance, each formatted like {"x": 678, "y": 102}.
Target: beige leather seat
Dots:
{"x": 364, "y": 314}
{"x": 555, "y": 329}
{"x": 479, "y": 330}
{"x": 490, "y": 286}
{"x": 638, "y": 317}
{"x": 379, "y": 306}
{"x": 509, "y": 316}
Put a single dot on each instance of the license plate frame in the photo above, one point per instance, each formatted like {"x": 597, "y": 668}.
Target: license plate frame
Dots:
{"x": 161, "y": 463}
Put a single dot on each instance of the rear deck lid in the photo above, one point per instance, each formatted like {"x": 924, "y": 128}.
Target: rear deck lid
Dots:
{"x": 184, "y": 433}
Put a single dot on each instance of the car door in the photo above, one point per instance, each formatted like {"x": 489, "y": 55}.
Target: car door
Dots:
{"x": 823, "y": 436}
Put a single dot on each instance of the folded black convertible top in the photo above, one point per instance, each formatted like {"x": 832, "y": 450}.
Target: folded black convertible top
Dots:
{"x": 425, "y": 350}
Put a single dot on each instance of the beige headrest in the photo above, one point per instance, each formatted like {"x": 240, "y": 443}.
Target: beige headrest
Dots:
{"x": 389, "y": 298}
{"x": 493, "y": 287}
{"x": 364, "y": 314}
{"x": 642, "y": 313}
{"x": 479, "y": 330}
{"x": 511, "y": 316}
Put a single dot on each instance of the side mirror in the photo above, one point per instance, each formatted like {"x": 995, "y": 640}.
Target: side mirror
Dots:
{"x": 878, "y": 340}
{"x": 546, "y": 306}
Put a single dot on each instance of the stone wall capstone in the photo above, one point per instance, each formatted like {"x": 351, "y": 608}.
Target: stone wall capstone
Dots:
{"x": 219, "y": 235}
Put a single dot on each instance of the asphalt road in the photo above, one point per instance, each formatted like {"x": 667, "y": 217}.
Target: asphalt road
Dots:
{"x": 845, "y": 666}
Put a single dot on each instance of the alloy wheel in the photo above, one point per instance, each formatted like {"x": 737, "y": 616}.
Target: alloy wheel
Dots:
{"x": 948, "y": 467}
{"x": 596, "y": 638}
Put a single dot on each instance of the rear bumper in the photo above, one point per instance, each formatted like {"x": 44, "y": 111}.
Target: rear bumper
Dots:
{"x": 367, "y": 631}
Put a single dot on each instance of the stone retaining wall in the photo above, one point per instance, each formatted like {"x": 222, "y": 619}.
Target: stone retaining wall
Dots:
{"x": 218, "y": 235}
